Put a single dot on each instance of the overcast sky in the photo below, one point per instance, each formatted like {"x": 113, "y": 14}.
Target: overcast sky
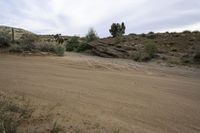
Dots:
{"x": 74, "y": 17}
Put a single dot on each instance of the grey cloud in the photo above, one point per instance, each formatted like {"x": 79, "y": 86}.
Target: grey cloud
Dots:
{"x": 67, "y": 17}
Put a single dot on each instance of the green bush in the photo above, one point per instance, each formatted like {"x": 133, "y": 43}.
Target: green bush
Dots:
{"x": 82, "y": 47}
{"x": 75, "y": 45}
{"x": 151, "y": 49}
{"x": 91, "y": 35}
{"x": 117, "y": 29}
{"x": 72, "y": 44}
{"x": 5, "y": 40}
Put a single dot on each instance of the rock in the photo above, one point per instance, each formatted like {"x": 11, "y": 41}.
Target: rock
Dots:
{"x": 120, "y": 50}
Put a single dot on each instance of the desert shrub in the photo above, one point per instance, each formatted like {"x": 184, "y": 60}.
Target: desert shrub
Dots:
{"x": 72, "y": 44}
{"x": 140, "y": 56}
{"x": 117, "y": 29}
{"x": 27, "y": 42}
{"x": 15, "y": 48}
{"x": 60, "y": 49}
{"x": 143, "y": 35}
{"x": 28, "y": 38}
{"x": 151, "y": 49}
{"x": 46, "y": 47}
{"x": 5, "y": 40}
{"x": 75, "y": 45}
{"x": 91, "y": 35}
{"x": 31, "y": 47}
{"x": 197, "y": 53}
{"x": 12, "y": 114}
{"x": 83, "y": 47}
{"x": 147, "y": 54}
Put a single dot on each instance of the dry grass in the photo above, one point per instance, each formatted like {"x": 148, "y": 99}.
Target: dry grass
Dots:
{"x": 13, "y": 112}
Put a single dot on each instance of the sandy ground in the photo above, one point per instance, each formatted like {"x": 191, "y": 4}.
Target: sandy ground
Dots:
{"x": 134, "y": 97}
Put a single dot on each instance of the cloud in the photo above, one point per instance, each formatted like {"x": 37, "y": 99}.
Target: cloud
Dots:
{"x": 77, "y": 16}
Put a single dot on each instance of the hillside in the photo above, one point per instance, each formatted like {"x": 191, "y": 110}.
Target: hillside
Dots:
{"x": 174, "y": 48}
{"x": 18, "y": 31}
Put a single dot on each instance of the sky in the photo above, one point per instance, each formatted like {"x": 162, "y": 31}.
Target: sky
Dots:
{"x": 75, "y": 17}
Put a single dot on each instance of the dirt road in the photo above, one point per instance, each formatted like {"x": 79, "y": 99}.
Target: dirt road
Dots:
{"x": 133, "y": 97}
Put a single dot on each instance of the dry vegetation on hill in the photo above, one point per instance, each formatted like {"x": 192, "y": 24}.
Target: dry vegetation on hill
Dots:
{"x": 175, "y": 48}
{"x": 178, "y": 48}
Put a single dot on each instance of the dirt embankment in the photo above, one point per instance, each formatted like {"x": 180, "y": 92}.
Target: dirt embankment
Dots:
{"x": 108, "y": 94}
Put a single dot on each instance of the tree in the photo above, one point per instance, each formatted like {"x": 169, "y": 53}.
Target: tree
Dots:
{"x": 117, "y": 29}
{"x": 91, "y": 35}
